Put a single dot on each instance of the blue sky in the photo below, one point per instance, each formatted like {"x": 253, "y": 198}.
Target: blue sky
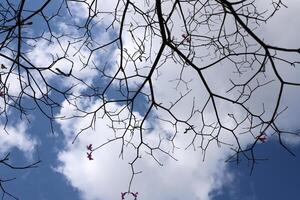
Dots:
{"x": 66, "y": 173}
{"x": 275, "y": 178}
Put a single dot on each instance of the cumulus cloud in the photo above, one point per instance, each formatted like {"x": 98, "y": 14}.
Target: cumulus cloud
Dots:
{"x": 62, "y": 61}
{"x": 189, "y": 177}
{"x": 108, "y": 175}
{"x": 17, "y": 137}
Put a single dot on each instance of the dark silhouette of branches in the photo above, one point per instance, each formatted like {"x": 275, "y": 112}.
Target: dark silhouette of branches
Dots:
{"x": 148, "y": 46}
{"x": 5, "y": 162}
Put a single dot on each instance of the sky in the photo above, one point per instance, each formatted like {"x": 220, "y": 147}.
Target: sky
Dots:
{"x": 66, "y": 173}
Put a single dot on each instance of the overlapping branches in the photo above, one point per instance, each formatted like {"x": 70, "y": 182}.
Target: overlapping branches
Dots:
{"x": 181, "y": 68}
{"x": 4, "y": 162}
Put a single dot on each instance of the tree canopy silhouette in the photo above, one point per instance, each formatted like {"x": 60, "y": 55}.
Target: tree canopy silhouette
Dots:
{"x": 201, "y": 68}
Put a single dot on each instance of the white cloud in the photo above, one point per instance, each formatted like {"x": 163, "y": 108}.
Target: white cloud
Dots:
{"x": 108, "y": 175}
{"x": 189, "y": 177}
{"x": 53, "y": 55}
{"x": 16, "y": 137}
{"x": 80, "y": 10}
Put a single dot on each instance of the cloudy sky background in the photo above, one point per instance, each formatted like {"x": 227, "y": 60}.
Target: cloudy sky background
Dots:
{"x": 66, "y": 173}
